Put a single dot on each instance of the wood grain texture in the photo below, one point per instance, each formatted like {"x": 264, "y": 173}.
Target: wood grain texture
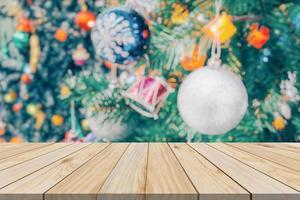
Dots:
{"x": 127, "y": 181}
{"x": 285, "y": 150}
{"x": 260, "y": 185}
{"x": 28, "y": 155}
{"x": 273, "y": 155}
{"x": 17, "y": 172}
{"x": 210, "y": 182}
{"x": 44, "y": 179}
{"x": 86, "y": 182}
{"x": 285, "y": 175}
{"x": 150, "y": 171}
{"x": 289, "y": 146}
{"x": 165, "y": 177}
{"x": 21, "y": 148}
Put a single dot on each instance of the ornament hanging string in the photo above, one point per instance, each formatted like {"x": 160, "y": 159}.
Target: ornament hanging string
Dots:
{"x": 216, "y": 44}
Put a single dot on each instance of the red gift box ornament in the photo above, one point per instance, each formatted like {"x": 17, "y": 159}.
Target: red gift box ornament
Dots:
{"x": 258, "y": 37}
{"x": 147, "y": 94}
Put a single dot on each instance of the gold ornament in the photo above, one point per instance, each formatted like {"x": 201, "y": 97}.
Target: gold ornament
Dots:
{"x": 16, "y": 139}
{"x": 32, "y": 109}
{"x": 65, "y": 91}
{"x": 85, "y": 124}
{"x": 57, "y": 120}
{"x": 180, "y": 14}
{"x": 278, "y": 123}
{"x": 221, "y": 27}
{"x": 35, "y": 52}
{"x": 39, "y": 120}
{"x": 10, "y": 97}
{"x": 194, "y": 61}
{"x": 174, "y": 79}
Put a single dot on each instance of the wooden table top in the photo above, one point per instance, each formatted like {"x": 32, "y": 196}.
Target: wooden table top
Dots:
{"x": 154, "y": 171}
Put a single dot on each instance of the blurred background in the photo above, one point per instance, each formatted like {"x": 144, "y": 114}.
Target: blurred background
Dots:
{"x": 57, "y": 83}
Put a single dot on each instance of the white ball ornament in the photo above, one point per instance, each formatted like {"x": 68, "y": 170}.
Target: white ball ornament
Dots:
{"x": 212, "y": 100}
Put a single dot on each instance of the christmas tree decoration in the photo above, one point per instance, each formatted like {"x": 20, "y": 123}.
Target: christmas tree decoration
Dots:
{"x": 61, "y": 35}
{"x": 85, "y": 124}
{"x": 196, "y": 60}
{"x": 80, "y": 56}
{"x": 180, "y": 14}
{"x": 25, "y": 25}
{"x": 213, "y": 100}
{"x": 174, "y": 79}
{"x": 35, "y": 52}
{"x": 32, "y": 109}
{"x": 2, "y": 140}
{"x": 65, "y": 91}
{"x": 106, "y": 130}
{"x": 39, "y": 120}
{"x": 26, "y": 78}
{"x": 120, "y": 35}
{"x": 2, "y": 131}
{"x": 258, "y": 36}
{"x": 85, "y": 20}
{"x": 17, "y": 107}
{"x": 10, "y": 97}
{"x": 16, "y": 139}
{"x": 21, "y": 40}
{"x": 220, "y": 27}
{"x": 129, "y": 52}
{"x": 57, "y": 120}
{"x": 147, "y": 95}
{"x": 278, "y": 122}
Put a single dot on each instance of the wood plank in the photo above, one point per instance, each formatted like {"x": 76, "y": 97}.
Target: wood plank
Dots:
{"x": 33, "y": 186}
{"x": 270, "y": 154}
{"x": 285, "y": 149}
{"x": 285, "y": 175}
{"x": 165, "y": 177}
{"x": 21, "y": 148}
{"x": 261, "y": 186}
{"x": 85, "y": 183}
{"x": 17, "y": 172}
{"x": 4, "y": 146}
{"x": 128, "y": 179}
{"x": 28, "y": 155}
{"x": 293, "y": 146}
{"x": 210, "y": 182}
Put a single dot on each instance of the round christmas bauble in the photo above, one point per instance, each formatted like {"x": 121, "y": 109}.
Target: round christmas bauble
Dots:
{"x": 21, "y": 40}
{"x": 2, "y": 131}
{"x": 212, "y": 101}
{"x": 17, "y": 107}
{"x": 120, "y": 35}
{"x": 25, "y": 25}
{"x": 10, "y": 97}
{"x": 278, "y": 123}
{"x": 2, "y": 140}
{"x": 57, "y": 120}
{"x": 16, "y": 139}
{"x": 61, "y": 35}
{"x": 32, "y": 109}
{"x": 26, "y": 78}
{"x": 85, "y": 20}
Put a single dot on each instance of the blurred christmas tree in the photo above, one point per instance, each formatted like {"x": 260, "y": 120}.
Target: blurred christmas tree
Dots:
{"x": 50, "y": 56}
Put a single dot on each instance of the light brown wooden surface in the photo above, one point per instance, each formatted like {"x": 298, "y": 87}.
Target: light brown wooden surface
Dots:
{"x": 150, "y": 171}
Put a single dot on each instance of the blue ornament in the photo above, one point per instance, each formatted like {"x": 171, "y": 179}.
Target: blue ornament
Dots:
{"x": 120, "y": 35}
